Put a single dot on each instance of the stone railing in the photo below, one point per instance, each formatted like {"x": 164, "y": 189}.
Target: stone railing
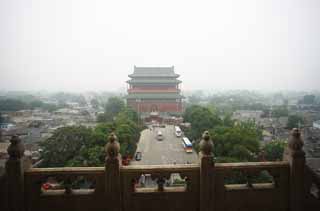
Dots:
{"x": 285, "y": 185}
{"x": 185, "y": 197}
{"x": 311, "y": 189}
{"x": 65, "y": 197}
{"x": 270, "y": 193}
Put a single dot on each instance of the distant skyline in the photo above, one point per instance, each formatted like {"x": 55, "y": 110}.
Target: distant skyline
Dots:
{"x": 80, "y": 45}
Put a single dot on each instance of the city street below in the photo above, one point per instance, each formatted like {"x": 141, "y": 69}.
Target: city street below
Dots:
{"x": 167, "y": 151}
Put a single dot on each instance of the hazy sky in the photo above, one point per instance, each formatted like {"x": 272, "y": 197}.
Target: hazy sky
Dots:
{"x": 79, "y": 45}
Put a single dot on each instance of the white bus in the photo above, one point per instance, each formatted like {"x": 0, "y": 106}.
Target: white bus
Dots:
{"x": 187, "y": 145}
{"x": 177, "y": 131}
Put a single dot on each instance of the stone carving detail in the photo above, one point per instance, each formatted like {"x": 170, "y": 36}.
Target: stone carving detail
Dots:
{"x": 16, "y": 148}
{"x": 113, "y": 147}
{"x": 295, "y": 142}
{"x": 206, "y": 145}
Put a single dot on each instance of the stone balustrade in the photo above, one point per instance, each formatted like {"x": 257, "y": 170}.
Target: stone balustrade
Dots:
{"x": 284, "y": 185}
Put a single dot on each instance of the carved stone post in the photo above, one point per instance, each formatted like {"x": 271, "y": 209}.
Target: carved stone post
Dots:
{"x": 15, "y": 175}
{"x": 206, "y": 173}
{"x": 112, "y": 167}
{"x": 296, "y": 158}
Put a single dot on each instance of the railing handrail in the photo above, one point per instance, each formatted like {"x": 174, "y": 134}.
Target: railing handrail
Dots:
{"x": 65, "y": 170}
{"x": 250, "y": 165}
{"x": 152, "y": 168}
{"x": 160, "y": 168}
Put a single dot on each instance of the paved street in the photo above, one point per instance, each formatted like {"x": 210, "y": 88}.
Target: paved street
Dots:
{"x": 167, "y": 151}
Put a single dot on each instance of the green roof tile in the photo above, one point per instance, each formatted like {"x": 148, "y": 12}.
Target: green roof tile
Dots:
{"x": 153, "y": 72}
{"x": 153, "y": 81}
{"x": 154, "y": 96}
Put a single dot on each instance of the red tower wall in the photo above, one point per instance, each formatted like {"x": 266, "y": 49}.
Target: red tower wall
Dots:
{"x": 159, "y": 106}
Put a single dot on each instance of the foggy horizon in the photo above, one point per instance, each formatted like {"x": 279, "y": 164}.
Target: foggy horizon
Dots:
{"x": 77, "y": 45}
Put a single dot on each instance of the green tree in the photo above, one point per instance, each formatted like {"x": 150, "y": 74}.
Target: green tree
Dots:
{"x": 294, "y": 121}
{"x": 36, "y": 104}
{"x": 104, "y": 128}
{"x": 274, "y": 150}
{"x": 95, "y": 103}
{"x": 128, "y": 113}
{"x": 12, "y": 105}
{"x": 240, "y": 142}
{"x": 1, "y": 118}
{"x": 280, "y": 111}
{"x": 126, "y": 126}
{"x": 112, "y": 108}
{"x": 67, "y": 145}
{"x": 128, "y": 133}
{"x": 201, "y": 119}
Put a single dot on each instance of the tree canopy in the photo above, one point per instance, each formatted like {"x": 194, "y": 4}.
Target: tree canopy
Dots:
{"x": 280, "y": 111}
{"x": 274, "y": 150}
{"x": 1, "y": 118}
{"x": 12, "y": 105}
{"x": 95, "y": 103}
{"x": 239, "y": 142}
{"x": 234, "y": 141}
{"x": 112, "y": 108}
{"x": 81, "y": 146}
{"x": 201, "y": 119}
{"x": 68, "y": 146}
{"x": 294, "y": 121}
{"x": 16, "y": 105}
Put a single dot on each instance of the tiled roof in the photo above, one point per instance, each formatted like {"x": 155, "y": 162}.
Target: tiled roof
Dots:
{"x": 154, "y": 96}
{"x": 154, "y": 72}
{"x": 153, "y": 81}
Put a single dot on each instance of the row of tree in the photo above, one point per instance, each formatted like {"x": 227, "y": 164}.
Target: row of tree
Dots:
{"x": 82, "y": 146}
{"x": 234, "y": 141}
{"x": 16, "y": 105}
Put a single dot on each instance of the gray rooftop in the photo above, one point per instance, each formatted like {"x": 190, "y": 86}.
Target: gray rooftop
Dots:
{"x": 154, "y": 72}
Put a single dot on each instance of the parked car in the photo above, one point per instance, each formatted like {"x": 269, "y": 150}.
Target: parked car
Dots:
{"x": 138, "y": 156}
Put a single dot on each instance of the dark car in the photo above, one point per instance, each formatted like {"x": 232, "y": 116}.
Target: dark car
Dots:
{"x": 138, "y": 156}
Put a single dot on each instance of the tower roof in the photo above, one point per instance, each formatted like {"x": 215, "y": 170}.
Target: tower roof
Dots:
{"x": 153, "y": 72}
{"x": 154, "y": 96}
{"x": 153, "y": 81}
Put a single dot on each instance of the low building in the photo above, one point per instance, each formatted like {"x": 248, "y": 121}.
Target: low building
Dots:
{"x": 246, "y": 115}
{"x": 316, "y": 124}
{"x": 7, "y": 126}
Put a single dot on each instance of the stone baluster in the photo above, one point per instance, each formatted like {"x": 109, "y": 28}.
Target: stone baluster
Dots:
{"x": 160, "y": 182}
{"x": 15, "y": 174}
{"x": 296, "y": 158}
{"x": 112, "y": 173}
{"x": 206, "y": 173}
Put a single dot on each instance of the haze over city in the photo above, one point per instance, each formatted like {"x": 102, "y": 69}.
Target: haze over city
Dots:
{"x": 76, "y": 45}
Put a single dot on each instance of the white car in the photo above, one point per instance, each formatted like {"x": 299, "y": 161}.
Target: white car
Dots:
{"x": 159, "y": 136}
